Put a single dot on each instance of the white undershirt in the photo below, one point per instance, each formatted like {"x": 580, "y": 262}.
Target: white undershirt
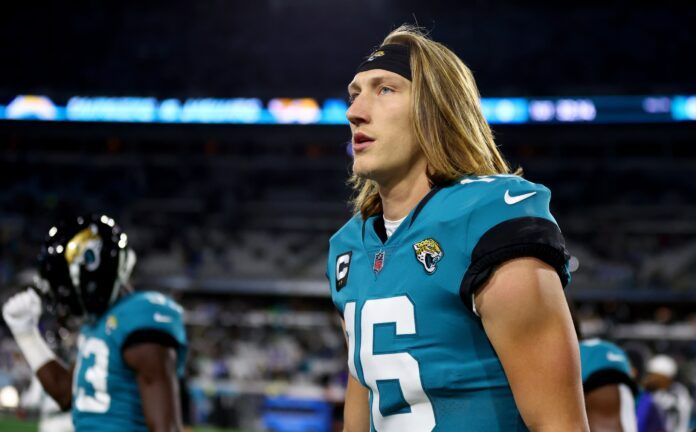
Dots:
{"x": 390, "y": 226}
{"x": 628, "y": 409}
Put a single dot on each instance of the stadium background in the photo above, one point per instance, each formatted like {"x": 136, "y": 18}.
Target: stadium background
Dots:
{"x": 213, "y": 132}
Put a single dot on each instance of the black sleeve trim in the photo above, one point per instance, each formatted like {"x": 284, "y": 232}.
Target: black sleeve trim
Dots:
{"x": 605, "y": 377}
{"x": 515, "y": 238}
{"x": 150, "y": 336}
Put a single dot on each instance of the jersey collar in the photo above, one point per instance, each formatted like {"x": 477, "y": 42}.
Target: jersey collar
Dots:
{"x": 374, "y": 225}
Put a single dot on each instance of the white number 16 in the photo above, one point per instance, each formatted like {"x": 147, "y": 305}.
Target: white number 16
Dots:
{"x": 393, "y": 366}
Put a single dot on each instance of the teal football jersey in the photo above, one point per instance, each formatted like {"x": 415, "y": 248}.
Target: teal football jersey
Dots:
{"x": 604, "y": 363}
{"x": 105, "y": 392}
{"x": 413, "y": 339}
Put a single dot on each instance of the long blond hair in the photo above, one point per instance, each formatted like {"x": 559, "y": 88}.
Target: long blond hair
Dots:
{"x": 448, "y": 123}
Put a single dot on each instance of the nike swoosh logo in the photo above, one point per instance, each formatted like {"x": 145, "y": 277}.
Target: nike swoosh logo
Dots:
{"x": 614, "y": 357}
{"x": 510, "y": 200}
{"x": 162, "y": 318}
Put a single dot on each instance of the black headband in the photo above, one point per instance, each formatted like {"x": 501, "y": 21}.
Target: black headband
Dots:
{"x": 392, "y": 57}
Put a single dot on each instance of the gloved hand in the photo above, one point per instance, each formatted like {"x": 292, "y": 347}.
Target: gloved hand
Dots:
{"x": 22, "y": 311}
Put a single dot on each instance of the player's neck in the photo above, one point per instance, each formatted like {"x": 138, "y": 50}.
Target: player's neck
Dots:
{"x": 399, "y": 198}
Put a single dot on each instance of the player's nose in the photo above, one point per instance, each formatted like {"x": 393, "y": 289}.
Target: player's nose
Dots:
{"x": 358, "y": 111}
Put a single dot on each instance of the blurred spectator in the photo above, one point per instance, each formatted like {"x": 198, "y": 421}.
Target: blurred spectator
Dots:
{"x": 648, "y": 414}
{"x": 670, "y": 397}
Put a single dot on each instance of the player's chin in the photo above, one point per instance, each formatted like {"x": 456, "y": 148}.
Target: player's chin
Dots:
{"x": 362, "y": 167}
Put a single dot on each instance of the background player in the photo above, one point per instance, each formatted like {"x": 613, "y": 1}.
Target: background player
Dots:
{"x": 671, "y": 397}
{"x": 449, "y": 278}
{"x": 608, "y": 386}
{"x": 131, "y": 347}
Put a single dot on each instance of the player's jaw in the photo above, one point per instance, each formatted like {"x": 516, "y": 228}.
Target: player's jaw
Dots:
{"x": 366, "y": 155}
{"x": 380, "y": 148}
{"x": 386, "y": 160}
{"x": 384, "y": 154}
{"x": 366, "y": 149}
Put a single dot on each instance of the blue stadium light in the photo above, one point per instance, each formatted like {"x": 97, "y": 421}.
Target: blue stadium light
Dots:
{"x": 308, "y": 111}
{"x": 169, "y": 111}
{"x": 289, "y": 111}
{"x": 240, "y": 110}
{"x": 334, "y": 112}
{"x": 684, "y": 108}
{"x": 575, "y": 110}
{"x": 30, "y": 107}
{"x": 542, "y": 110}
{"x": 657, "y": 105}
{"x": 114, "y": 109}
{"x": 505, "y": 110}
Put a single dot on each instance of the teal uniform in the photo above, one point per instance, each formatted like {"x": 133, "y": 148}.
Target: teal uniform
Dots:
{"x": 604, "y": 363}
{"x": 105, "y": 391}
{"x": 414, "y": 339}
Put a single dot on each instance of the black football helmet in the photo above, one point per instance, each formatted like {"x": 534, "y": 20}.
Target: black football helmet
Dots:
{"x": 84, "y": 264}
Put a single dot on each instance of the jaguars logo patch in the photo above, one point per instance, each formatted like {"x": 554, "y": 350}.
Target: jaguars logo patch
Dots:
{"x": 375, "y": 54}
{"x": 111, "y": 324}
{"x": 428, "y": 253}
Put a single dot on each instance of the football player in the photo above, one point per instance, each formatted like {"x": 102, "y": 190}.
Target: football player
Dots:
{"x": 608, "y": 386}
{"x": 607, "y": 382}
{"x": 132, "y": 345}
{"x": 449, "y": 278}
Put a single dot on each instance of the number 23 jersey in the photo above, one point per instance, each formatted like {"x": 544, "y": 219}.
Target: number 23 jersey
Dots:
{"x": 414, "y": 339}
{"x": 106, "y": 396}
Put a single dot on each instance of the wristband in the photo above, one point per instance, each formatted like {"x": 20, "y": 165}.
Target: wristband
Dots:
{"x": 35, "y": 350}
